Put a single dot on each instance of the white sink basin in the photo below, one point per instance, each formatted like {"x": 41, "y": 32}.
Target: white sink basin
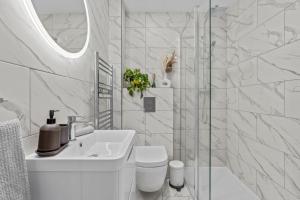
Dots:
{"x": 101, "y": 150}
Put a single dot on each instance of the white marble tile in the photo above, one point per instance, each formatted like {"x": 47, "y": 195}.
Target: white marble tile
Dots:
{"x": 14, "y": 87}
{"x": 117, "y": 93}
{"x": 218, "y": 120}
{"x": 70, "y": 96}
{"x": 232, "y": 13}
{"x": 232, "y": 142}
{"x": 219, "y": 79}
{"x": 292, "y": 175}
{"x": 232, "y": 51}
{"x": 168, "y": 19}
{"x": 292, "y": 30}
{"x": 135, "y": 58}
{"x": 130, "y": 103}
{"x": 178, "y": 115}
{"x": 271, "y": 71}
{"x": 280, "y": 64}
{"x": 218, "y": 17}
{"x": 134, "y": 120}
{"x": 217, "y": 139}
{"x": 218, "y": 98}
{"x": 188, "y": 39}
{"x": 245, "y": 4}
{"x": 243, "y": 171}
{"x": 248, "y": 72}
{"x": 177, "y": 139}
{"x": 246, "y": 21}
{"x": 159, "y": 122}
{"x": 218, "y": 158}
{"x": 232, "y": 98}
{"x": 190, "y": 78}
{"x": 140, "y": 139}
{"x": 135, "y": 20}
{"x": 204, "y": 98}
{"x": 265, "y": 159}
{"x": 292, "y": 97}
{"x": 117, "y": 118}
{"x": 242, "y": 122}
{"x": 135, "y": 37}
{"x": 269, "y": 190}
{"x": 269, "y": 8}
{"x": 176, "y": 98}
{"x": 176, "y": 154}
{"x": 115, "y": 51}
{"x": 189, "y": 144}
{"x": 115, "y": 28}
{"x": 161, "y": 139}
{"x": 280, "y": 133}
{"x": 164, "y": 98}
{"x": 256, "y": 98}
{"x": 265, "y": 37}
{"x": 162, "y": 37}
{"x": 115, "y": 7}
{"x": 189, "y": 119}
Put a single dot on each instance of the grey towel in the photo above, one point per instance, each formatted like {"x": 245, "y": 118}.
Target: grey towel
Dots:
{"x": 14, "y": 183}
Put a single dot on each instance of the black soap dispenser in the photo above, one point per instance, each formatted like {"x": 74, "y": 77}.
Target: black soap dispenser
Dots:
{"x": 49, "y": 138}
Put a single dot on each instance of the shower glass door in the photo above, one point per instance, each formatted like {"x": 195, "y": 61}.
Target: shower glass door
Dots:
{"x": 203, "y": 127}
{"x": 195, "y": 106}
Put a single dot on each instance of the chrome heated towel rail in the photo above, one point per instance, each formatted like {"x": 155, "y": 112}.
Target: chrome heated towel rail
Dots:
{"x": 103, "y": 94}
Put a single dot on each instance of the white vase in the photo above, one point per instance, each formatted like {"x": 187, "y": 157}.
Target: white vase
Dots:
{"x": 165, "y": 82}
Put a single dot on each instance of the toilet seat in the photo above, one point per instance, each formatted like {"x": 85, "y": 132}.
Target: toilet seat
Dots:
{"x": 151, "y": 156}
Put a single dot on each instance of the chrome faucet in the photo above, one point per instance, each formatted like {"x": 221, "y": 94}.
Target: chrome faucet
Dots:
{"x": 72, "y": 122}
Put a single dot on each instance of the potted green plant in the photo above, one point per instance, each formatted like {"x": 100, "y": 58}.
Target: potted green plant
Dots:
{"x": 136, "y": 81}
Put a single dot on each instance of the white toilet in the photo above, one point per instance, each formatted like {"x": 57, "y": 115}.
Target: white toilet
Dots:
{"x": 151, "y": 167}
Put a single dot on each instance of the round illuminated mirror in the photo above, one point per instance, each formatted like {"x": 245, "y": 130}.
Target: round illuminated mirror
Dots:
{"x": 63, "y": 23}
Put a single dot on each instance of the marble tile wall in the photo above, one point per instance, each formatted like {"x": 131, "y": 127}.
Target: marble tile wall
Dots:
{"x": 34, "y": 78}
{"x": 263, "y": 118}
{"x": 150, "y": 37}
{"x": 153, "y": 128}
{"x": 116, "y": 19}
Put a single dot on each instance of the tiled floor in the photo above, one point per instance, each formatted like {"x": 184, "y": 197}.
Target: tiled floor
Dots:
{"x": 166, "y": 193}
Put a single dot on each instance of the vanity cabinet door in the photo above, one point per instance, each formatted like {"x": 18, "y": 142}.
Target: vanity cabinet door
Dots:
{"x": 100, "y": 185}
{"x": 127, "y": 177}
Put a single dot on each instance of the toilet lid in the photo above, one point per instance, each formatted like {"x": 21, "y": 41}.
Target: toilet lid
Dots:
{"x": 151, "y": 156}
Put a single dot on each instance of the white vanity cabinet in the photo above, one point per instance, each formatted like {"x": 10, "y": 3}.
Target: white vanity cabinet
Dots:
{"x": 100, "y": 166}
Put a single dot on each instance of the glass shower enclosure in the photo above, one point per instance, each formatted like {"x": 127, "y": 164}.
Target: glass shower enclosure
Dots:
{"x": 196, "y": 106}
{"x": 201, "y": 110}
{"x": 204, "y": 112}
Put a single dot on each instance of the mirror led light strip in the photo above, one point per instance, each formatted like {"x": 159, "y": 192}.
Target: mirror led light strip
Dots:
{"x": 41, "y": 29}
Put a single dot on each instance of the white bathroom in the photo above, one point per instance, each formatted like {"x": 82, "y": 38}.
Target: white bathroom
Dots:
{"x": 149, "y": 100}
